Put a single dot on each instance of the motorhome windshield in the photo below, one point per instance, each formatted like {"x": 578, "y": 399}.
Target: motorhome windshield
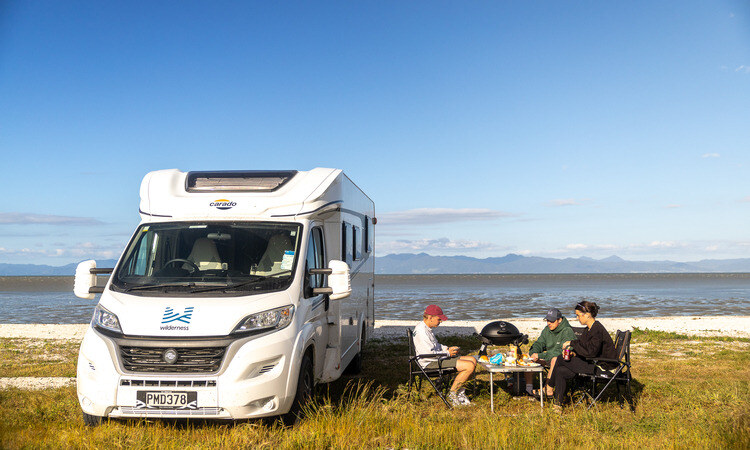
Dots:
{"x": 211, "y": 258}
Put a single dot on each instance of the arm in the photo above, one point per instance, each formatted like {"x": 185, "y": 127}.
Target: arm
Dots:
{"x": 538, "y": 346}
{"x": 424, "y": 345}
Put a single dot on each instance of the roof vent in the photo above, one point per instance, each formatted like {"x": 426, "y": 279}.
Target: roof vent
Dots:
{"x": 231, "y": 181}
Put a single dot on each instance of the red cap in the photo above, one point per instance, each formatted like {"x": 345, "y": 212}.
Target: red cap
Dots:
{"x": 434, "y": 310}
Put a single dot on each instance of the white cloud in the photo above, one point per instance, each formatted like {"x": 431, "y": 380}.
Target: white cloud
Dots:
{"x": 742, "y": 69}
{"x": 440, "y": 244}
{"x": 427, "y": 216}
{"x": 13, "y": 218}
{"x": 590, "y": 247}
{"x": 673, "y": 206}
{"x": 665, "y": 244}
{"x": 567, "y": 202}
{"x": 710, "y": 155}
{"x": 78, "y": 251}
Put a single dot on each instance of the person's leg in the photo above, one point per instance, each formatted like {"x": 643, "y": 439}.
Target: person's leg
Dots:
{"x": 465, "y": 366}
{"x": 560, "y": 379}
{"x": 529, "y": 376}
{"x": 551, "y": 370}
{"x": 566, "y": 370}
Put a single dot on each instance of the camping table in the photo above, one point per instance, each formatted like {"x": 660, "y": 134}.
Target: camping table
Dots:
{"x": 494, "y": 368}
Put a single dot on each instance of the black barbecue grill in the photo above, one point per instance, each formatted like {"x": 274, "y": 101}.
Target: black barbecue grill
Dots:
{"x": 500, "y": 333}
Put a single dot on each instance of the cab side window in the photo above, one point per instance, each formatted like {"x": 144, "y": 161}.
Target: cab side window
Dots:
{"x": 315, "y": 259}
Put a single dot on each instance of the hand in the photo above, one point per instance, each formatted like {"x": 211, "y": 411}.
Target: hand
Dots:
{"x": 535, "y": 357}
{"x": 453, "y": 351}
{"x": 566, "y": 344}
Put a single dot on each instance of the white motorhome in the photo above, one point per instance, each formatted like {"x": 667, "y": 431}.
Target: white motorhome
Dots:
{"x": 236, "y": 294}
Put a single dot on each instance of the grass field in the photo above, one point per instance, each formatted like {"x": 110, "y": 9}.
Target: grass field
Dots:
{"x": 690, "y": 392}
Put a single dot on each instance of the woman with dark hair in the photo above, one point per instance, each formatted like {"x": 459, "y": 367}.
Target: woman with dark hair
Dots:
{"x": 595, "y": 342}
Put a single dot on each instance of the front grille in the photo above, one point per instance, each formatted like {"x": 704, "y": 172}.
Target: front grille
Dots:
{"x": 131, "y": 411}
{"x": 189, "y": 359}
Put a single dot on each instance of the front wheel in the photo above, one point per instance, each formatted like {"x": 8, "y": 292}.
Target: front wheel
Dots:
{"x": 92, "y": 421}
{"x": 305, "y": 385}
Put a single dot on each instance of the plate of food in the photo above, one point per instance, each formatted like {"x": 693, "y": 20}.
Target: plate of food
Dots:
{"x": 528, "y": 363}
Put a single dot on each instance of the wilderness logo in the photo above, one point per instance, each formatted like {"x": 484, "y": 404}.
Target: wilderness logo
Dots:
{"x": 170, "y": 316}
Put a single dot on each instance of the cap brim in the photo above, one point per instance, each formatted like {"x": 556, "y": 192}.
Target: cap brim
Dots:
{"x": 443, "y": 317}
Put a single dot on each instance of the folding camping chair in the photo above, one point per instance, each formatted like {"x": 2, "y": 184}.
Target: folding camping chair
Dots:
{"x": 617, "y": 375}
{"x": 441, "y": 375}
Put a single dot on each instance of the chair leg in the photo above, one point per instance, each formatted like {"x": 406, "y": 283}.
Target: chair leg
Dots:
{"x": 408, "y": 390}
{"x": 629, "y": 393}
{"x": 604, "y": 389}
{"x": 439, "y": 393}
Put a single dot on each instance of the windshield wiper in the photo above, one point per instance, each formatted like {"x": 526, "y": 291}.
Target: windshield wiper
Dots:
{"x": 236, "y": 286}
{"x": 143, "y": 287}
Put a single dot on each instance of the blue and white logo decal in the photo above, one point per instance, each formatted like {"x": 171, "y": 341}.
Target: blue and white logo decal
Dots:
{"x": 171, "y": 316}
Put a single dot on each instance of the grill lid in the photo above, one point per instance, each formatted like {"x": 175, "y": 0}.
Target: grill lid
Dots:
{"x": 502, "y": 333}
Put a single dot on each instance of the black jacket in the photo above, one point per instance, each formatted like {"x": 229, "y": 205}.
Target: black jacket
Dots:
{"x": 595, "y": 342}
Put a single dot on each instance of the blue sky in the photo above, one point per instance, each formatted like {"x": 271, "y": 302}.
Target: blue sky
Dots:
{"x": 559, "y": 129}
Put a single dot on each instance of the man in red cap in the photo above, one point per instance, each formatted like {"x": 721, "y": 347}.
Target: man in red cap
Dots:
{"x": 425, "y": 343}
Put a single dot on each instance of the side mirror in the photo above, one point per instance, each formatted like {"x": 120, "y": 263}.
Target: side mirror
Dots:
{"x": 85, "y": 285}
{"x": 339, "y": 281}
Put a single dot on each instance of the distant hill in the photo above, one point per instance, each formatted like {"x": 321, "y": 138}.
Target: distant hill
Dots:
{"x": 30, "y": 270}
{"x": 422, "y": 263}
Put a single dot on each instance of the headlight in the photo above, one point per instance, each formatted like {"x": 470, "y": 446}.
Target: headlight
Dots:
{"x": 105, "y": 319}
{"x": 272, "y": 319}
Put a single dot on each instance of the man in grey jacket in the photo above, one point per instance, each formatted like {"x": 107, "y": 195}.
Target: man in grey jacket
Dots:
{"x": 548, "y": 347}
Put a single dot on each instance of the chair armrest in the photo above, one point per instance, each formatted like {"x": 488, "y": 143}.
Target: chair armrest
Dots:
{"x": 617, "y": 361}
{"x": 432, "y": 355}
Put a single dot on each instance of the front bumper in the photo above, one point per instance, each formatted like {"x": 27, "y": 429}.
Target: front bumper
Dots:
{"x": 254, "y": 382}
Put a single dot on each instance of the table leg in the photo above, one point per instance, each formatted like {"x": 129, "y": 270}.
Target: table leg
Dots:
{"x": 492, "y": 394}
{"x": 542, "y": 389}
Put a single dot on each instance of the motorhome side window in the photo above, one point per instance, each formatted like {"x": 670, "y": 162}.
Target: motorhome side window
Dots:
{"x": 368, "y": 235}
{"x": 346, "y": 243}
{"x": 315, "y": 260}
{"x": 216, "y": 258}
{"x": 357, "y": 242}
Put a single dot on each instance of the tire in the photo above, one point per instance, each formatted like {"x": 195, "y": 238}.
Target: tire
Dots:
{"x": 92, "y": 421}
{"x": 355, "y": 366}
{"x": 305, "y": 388}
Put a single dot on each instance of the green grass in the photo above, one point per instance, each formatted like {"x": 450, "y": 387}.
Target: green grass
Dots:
{"x": 698, "y": 399}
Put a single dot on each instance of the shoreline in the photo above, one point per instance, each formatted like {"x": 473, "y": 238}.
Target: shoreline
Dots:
{"x": 722, "y": 326}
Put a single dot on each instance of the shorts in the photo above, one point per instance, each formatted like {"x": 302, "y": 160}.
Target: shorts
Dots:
{"x": 449, "y": 363}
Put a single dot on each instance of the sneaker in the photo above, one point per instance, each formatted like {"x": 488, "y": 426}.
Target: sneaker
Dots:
{"x": 453, "y": 398}
{"x": 461, "y": 395}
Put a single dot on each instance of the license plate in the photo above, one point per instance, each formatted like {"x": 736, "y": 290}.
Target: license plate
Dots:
{"x": 167, "y": 400}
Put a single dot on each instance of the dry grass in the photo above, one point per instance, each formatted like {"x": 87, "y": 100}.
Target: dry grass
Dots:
{"x": 700, "y": 400}
{"x": 38, "y": 358}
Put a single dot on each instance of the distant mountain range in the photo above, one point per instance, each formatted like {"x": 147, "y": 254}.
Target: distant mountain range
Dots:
{"x": 11, "y": 270}
{"x": 422, "y": 263}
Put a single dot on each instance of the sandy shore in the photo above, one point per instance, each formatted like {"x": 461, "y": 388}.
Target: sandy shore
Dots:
{"x": 731, "y": 326}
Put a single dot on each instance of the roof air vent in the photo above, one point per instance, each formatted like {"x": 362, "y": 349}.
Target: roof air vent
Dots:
{"x": 231, "y": 181}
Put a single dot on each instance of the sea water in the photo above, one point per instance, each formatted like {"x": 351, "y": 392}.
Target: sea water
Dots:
{"x": 462, "y": 297}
